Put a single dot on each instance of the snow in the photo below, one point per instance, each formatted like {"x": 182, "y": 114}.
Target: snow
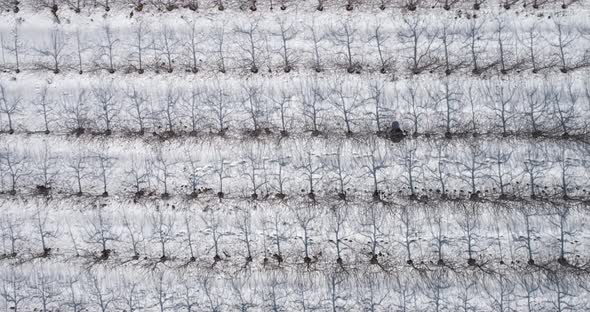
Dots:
{"x": 182, "y": 187}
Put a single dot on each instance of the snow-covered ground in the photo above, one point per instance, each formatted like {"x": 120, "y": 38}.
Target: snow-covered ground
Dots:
{"x": 243, "y": 155}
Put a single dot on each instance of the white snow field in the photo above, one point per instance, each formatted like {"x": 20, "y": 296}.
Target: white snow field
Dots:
{"x": 315, "y": 155}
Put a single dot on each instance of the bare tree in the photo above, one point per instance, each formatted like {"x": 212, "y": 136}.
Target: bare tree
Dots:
{"x": 16, "y": 164}
{"x": 196, "y": 171}
{"x": 191, "y": 104}
{"x": 253, "y": 105}
{"x": 162, "y": 290}
{"x": 282, "y": 100}
{"x": 194, "y": 35}
{"x": 164, "y": 165}
{"x": 252, "y": 168}
{"x": 280, "y": 235}
{"x": 381, "y": 37}
{"x": 212, "y": 301}
{"x": 77, "y": 6}
{"x": 316, "y": 36}
{"x": 534, "y": 167}
{"x": 141, "y": 32}
{"x": 438, "y": 225}
{"x": 217, "y": 36}
{"x": 78, "y": 165}
{"x": 373, "y": 224}
{"x": 530, "y": 37}
{"x": 163, "y": 230}
{"x": 45, "y": 106}
{"x": 416, "y": 37}
{"x": 347, "y": 100}
{"x": 46, "y": 169}
{"x": 212, "y": 227}
{"x": 535, "y": 109}
{"x": 132, "y": 295}
{"x": 562, "y": 287}
{"x": 250, "y": 45}
{"x": 338, "y": 171}
{"x": 472, "y": 169}
{"x": 219, "y": 105}
{"x": 312, "y": 96}
{"x": 55, "y": 48}
{"x": 109, "y": 107}
{"x": 409, "y": 231}
{"x": 281, "y": 178}
{"x": 505, "y": 43}
{"x": 566, "y": 37}
{"x": 501, "y": 101}
{"x": 43, "y": 227}
{"x": 566, "y": 166}
{"x": 345, "y": 38}
{"x": 501, "y": 175}
{"x": 311, "y": 166}
{"x": 474, "y": 39}
{"x": 243, "y": 222}
{"x": 108, "y": 45}
{"x": 472, "y": 95}
{"x": 45, "y": 289}
{"x": 74, "y": 111}
{"x": 101, "y": 231}
{"x": 168, "y": 45}
{"x": 415, "y": 106}
{"x": 529, "y": 237}
{"x": 381, "y": 104}
{"x": 140, "y": 111}
{"x": 169, "y": 107}
{"x": 336, "y": 290}
{"x": 14, "y": 288}
{"x": 104, "y": 163}
{"x": 190, "y": 295}
{"x": 468, "y": 220}
{"x": 134, "y": 229}
{"x": 286, "y": 33}
{"x": 12, "y": 230}
{"x": 305, "y": 217}
{"x": 16, "y": 46}
{"x": 411, "y": 166}
{"x": 241, "y": 287}
{"x": 447, "y": 96}
{"x": 74, "y": 299}
{"x": 447, "y": 35}
{"x": 439, "y": 168}
{"x": 101, "y": 296}
{"x": 10, "y": 105}
{"x": 221, "y": 169}
{"x": 339, "y": 218}
{"x": 500, "y": 290}
{"x": 436, "y": 286}
{"x": 372, "y": 161}
{"x": 564, "y": 110}
{"x": 80, "y": 48}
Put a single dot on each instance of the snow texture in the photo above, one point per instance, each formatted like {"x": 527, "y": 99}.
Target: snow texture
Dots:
{"x": 247, "y": 155}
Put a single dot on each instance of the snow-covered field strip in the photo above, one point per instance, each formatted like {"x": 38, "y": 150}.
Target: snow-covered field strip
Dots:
{"x": 234, "y": 233}
{"x": 397, "y": 46}
{"x": 172, "y": 105}
{"x": 352, "y": 167}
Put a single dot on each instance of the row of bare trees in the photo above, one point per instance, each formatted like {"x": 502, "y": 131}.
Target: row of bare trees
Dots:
{"x": 430, "y": 169}
{"x": 516, "y": 106}
{"x": 57, "y": 6}
{"x": 454, "y": 235}
{"x": 42, "y": 287}
{"x": 407, "y": 46}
